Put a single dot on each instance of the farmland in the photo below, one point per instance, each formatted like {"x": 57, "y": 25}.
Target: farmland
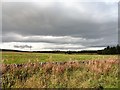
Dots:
{"x": 40, "y": 70}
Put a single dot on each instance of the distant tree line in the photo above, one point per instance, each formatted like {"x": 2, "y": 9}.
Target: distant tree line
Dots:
{"x": 69, "y": 52}
{"x": 110, "y": 50}
{"x": 57, "y": 51}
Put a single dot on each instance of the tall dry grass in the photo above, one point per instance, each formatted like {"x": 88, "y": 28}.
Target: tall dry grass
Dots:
{"x": 60, "y": 74}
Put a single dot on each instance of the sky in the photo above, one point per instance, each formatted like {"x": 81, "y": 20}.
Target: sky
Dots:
{"x": 59, "y": 25}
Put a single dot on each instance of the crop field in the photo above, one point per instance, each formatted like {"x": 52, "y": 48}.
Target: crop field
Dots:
{"x": 40, "y": 70}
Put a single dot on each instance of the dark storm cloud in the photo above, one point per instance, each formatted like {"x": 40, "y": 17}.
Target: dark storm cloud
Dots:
{"x": 94, "y": 22}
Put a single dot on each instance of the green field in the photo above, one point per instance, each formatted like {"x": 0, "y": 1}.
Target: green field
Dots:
{"x": 20, "y": 57}
{"x": 40, "y": 70}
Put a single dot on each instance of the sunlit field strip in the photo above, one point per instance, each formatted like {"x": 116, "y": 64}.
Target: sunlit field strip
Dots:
{"x": 21, "y": 57}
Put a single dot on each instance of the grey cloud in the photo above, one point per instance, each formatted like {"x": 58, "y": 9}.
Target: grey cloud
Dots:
{"x": 119, "y": 22}
{"x": 65, "y": 46}
{"x": 55, "y": 40}
{"x": 96, "y": 21}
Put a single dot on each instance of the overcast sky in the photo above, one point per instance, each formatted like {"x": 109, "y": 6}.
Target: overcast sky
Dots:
{"x": 55, "y": 25}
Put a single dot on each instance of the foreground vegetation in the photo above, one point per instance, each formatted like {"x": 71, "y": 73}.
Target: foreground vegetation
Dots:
{"x": 34, "y": 70}
{"x": 74, "y": 74}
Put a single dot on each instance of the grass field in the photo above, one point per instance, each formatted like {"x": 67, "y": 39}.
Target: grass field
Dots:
{"x": 36, "y": 70}
{"x": 20, "y": 57}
